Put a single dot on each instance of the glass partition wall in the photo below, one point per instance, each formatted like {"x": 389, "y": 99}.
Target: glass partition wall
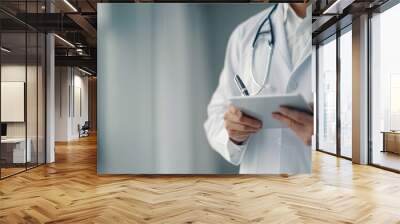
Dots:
{"x": 334, "y": 105}
{"x": 13, "y": 89}
{"x": 22, "y": 98}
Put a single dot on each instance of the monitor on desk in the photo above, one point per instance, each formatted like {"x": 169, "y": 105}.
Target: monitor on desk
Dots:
{"x": 3, "y": 130}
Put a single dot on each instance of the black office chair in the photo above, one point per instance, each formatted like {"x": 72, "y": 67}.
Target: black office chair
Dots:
{"x": 84, "y": 130}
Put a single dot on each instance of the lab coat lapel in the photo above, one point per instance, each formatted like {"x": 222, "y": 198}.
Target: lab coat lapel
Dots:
{"x": 306, "y": 51}
{"x": 295, "y": 72}
{"x": 281, "y": 42}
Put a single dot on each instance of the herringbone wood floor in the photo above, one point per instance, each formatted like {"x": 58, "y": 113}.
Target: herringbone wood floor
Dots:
{"x": 69, "y": 191}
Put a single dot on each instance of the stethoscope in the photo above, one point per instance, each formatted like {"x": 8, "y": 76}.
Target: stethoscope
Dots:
{"x": 270, "y": 44}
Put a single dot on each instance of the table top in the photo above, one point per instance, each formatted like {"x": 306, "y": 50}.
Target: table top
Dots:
{"x": 391, "y": 132}
{"x": 13, "y": 140}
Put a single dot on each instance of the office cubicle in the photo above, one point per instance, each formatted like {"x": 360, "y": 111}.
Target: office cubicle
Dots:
{"x": 22, "y": 89}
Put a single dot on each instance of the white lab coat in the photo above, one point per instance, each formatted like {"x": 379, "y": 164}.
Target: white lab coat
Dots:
{"x": 270, "y": 151}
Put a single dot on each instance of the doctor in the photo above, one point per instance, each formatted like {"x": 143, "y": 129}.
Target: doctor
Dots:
{"x": 271, "y": 53}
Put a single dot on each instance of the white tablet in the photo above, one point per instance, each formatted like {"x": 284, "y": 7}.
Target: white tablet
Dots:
{"x": 262, "y": 107}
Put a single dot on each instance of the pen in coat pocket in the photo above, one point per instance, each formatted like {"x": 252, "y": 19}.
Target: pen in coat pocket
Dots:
{"x": 242, "y": 88}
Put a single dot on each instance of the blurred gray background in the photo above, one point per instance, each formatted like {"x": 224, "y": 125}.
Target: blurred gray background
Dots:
{"x": 158, "y": 65}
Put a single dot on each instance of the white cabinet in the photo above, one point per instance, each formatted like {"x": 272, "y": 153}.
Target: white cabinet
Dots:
{"x": 18, "y": 149}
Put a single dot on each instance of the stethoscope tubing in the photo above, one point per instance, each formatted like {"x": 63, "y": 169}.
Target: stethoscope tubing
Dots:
{"x": 262, "y": 85}
{"x": 271, "y": 46}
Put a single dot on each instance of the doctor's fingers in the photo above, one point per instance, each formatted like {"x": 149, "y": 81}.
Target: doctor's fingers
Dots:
{"x": 291, "y": 123}
{"x": 235, "y": 115}
{"x": 229, "y": 125}
{"x": 296, "y": 115}
{"x": 234, "y": 110}
{"x": 238, "y": 135}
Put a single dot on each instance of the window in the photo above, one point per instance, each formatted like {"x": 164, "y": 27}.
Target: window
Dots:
{"x": 327, "y": 96}
{"x": 385, "y": 89}
{"x": 346, "y": 93}
{"x": 394, "y": 117}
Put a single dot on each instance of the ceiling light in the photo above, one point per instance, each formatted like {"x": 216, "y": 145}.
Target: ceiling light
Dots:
{"x": 337, "y": 7}
{"x": 79, "y": 51}
{"x": 5, "y": 50}
{"x": 84, "y": 71}
{"x": 70, "y": 5}
{"x": 65, "y": 41}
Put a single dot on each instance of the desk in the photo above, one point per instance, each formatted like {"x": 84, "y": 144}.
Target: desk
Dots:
{"x": 13, "y": 150}
{"x": 391, "y": 141}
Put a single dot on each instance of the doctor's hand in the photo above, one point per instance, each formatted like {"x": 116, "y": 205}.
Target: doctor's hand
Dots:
{"x": 301, "y": 123}
{"x": 239, "y": 125}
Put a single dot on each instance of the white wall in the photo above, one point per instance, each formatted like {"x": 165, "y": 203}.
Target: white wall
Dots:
{"x": 61, "y": 103}
{"x": 80, "y": 83}
{"x": 67, "y": 116}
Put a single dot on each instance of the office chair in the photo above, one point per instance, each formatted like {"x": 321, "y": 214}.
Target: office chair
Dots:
{"x": 84, "y": 130}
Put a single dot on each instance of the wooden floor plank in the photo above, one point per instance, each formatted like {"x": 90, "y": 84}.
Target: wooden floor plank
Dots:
{"x": 70, "y": 191}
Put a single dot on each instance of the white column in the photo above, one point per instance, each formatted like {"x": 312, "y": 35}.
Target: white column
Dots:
{"x": 50, "y": 92}
{"x": 360, "y": 90}
{"x": 50, "y": 100}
